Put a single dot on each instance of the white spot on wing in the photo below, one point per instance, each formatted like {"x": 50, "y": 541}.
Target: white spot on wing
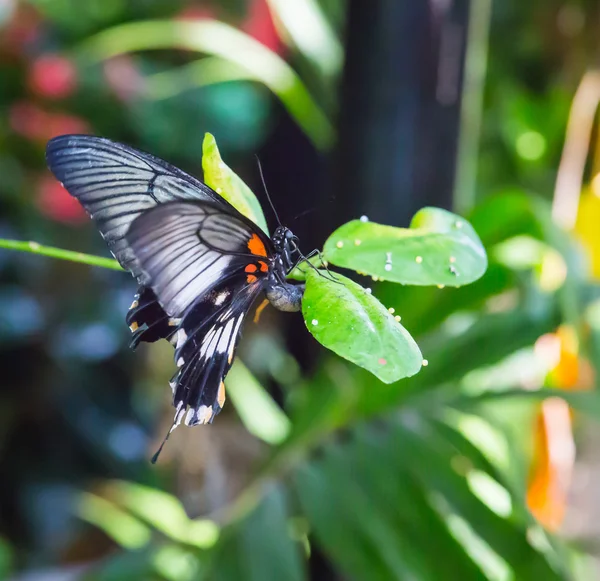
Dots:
{"x": 181, "y": 338}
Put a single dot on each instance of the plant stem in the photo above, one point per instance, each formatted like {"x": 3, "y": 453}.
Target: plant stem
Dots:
{"x": 35, "y": 248}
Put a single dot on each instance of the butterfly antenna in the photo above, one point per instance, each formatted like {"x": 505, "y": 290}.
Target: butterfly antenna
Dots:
{"x": 262, "y": 178}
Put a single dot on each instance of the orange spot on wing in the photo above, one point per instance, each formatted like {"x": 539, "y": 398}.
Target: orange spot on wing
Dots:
{"x": 260, "y": 309}
{"x": 256, "y": 246}
{"x": 251, "y": 278}
{"x": 221, "y": 395}
{"x": 264, "y": 267}
{"x": 251, "y": 268}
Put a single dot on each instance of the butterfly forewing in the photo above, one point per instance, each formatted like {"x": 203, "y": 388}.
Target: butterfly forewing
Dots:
{"x": 185, "y": 249}
{"x": 116, "y": 183}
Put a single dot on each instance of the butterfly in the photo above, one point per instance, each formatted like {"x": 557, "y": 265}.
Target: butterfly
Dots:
{"x": 199, "y": 262}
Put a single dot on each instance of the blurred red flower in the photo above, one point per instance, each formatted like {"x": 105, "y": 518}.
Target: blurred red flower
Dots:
{"x": 52, "y": 76}
{"x": 259, "y": 24}
{"x": 56, "y": 203}
{"x": 33, "y": 122}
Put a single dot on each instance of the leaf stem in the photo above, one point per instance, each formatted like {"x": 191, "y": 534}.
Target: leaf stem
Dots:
{"x": 36, "y": 248}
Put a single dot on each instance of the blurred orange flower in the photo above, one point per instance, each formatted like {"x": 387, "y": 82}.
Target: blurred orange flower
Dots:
{"x": 554, "y": 445}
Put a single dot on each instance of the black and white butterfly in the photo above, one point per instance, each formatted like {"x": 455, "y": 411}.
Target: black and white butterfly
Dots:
{"x": 200, "y": 263}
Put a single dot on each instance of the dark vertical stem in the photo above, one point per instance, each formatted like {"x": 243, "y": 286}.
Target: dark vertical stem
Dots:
{"x": 400, "y": 107}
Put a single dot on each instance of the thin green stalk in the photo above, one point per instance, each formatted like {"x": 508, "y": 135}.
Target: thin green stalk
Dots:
{"x": 36, "y": 248}
{"x": 472, "y": 106}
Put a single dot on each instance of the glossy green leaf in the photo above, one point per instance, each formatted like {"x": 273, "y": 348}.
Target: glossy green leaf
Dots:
{"x": 439, "y": 248}
{"x": 347, "y": 319}
{"x": 221, "y": 178}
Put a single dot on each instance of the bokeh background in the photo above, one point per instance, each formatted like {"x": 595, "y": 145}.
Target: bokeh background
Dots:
{"x": 483, "y": 466}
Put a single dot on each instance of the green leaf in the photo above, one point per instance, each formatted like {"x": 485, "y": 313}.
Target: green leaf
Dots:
{"x": 347, "y": 319}
{"x": 427, "y": 458}
{"x": 308, "y": 29}
{"x": 439, "y": 248}
{"x": 259, "y": 413}
{"x": 221, "y": 178}
{"x": 164, "y": 512}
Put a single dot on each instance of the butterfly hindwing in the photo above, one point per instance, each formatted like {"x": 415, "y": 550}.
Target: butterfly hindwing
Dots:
{"x": 116, "y": 183}
{"x": 147, "y": 320}
{"x": 206, "y": 341}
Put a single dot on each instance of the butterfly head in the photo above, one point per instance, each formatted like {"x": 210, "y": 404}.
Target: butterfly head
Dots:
{"x": 284, "y": 240}
{"x": 286, "y": 245}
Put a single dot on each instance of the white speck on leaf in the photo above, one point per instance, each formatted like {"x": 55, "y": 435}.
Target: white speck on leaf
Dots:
{"x": 368, "y": 291}
{"x": 425, "y": 363}
{"x": 398, "y": 318}
{"x": 340, "y": 244}
{"x": 452, "y": 260}
{"x": 392, "y": 310}
{"x": 388, "y": 267}
{"x": 315, "y": 322}
{"x": 364, "y": 219}
{"x": 419, "y": 259}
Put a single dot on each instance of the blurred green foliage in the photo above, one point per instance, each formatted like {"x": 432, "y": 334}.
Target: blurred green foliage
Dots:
{"x": 421, "y": 479}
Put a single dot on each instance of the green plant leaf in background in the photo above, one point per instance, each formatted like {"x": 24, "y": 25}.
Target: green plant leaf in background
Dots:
{"x": 439, "y": 248}
{"x": 346, "y": 318}
{"x": 221, "y": 178}
{"x": 220, "y": 40}
{"x": 260, "y": 546}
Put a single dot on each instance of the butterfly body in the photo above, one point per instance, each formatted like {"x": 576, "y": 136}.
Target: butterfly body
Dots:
{"x": 199, "y": 262}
